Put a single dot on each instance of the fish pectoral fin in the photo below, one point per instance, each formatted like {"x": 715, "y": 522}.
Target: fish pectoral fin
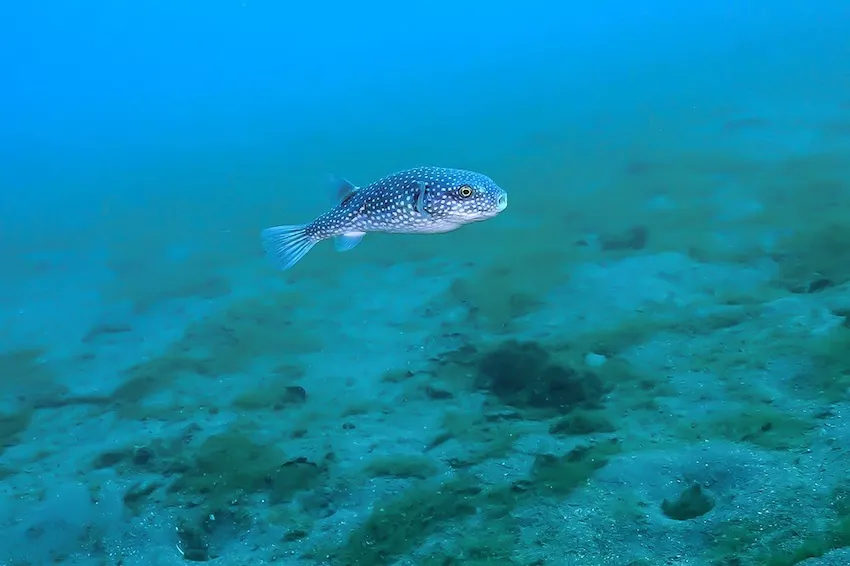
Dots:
{"x": 345, "y": 242}
{"x": 343, "y": 189}
{"x": 420, "y": 199}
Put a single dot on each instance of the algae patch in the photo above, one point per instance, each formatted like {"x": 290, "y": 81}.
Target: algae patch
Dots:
{"x": 12, "y": 425}
{"x": 496, "y": 296}
{"x": 23, "y": 367}
{"x": 231, "y": 341}
{"x": 817, "y": 258}
{"x": 400, "y": 525}
{"x": 403, "y": 466}
{"x": 482, "y": 436}
{"x": 783, "y": 538}
{"x": 582, "y": 422}
{"x": 763, "y": 426}
{"x": 274, "y": 397}
{"x": 561, "y": 475}
{"x": 231, "y": 464}
{"x": 219, "y": 472}
{"x": 831, "y": 356}
{"x": 26, "y": 384}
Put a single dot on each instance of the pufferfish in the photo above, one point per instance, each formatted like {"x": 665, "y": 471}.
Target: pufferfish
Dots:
{"x": 424, "y": 200}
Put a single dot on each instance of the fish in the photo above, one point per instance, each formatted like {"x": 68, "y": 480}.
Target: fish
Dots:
{"x": 422, "y": 200}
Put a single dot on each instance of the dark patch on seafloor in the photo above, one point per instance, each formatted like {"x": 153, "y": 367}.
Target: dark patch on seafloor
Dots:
{"x": 524, "y": 375}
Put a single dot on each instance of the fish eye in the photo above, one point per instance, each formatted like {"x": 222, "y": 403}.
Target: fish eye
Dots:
{"x": 465, "y": 191}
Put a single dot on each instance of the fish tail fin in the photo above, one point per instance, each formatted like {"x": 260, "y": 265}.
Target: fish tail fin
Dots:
{"x": 286, "y": 245}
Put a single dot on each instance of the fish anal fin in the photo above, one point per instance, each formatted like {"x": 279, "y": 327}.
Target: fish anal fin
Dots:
{"x": 345, "y": 242}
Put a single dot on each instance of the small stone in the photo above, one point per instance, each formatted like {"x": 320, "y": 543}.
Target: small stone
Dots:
{"x": 579, "y": 423}
{"x": 138, "y": 492}
{"x": 109, "y": 459}
{"x": 196, "y": 555}
{"x": 819, "y": 285}
{"x": 295, "y": 394}
{"x": 594, "y": 360}
{"x": 294, "y": 535}
{"x": 503, "y": 415}
{"x": 634, "y": 238}
{"x": 437, "y": 393}
{"x": 143, "y": 456}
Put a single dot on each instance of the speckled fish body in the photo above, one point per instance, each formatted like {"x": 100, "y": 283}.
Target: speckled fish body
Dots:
{"x": 424, "y": 200}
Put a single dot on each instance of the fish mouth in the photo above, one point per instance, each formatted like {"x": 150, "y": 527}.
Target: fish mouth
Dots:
{"x": 502, "y": 202}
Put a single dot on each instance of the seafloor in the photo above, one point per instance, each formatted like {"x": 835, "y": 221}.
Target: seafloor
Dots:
{"x": 647, "y": 363}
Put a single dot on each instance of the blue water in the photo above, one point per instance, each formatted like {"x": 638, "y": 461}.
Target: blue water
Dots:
{"x": 643, "y": 360}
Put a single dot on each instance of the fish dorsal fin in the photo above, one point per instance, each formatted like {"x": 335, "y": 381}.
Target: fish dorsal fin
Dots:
{"x": 343, "y": 189}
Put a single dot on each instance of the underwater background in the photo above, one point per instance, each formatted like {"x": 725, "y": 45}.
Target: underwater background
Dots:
{"x": 644, "y": 360}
